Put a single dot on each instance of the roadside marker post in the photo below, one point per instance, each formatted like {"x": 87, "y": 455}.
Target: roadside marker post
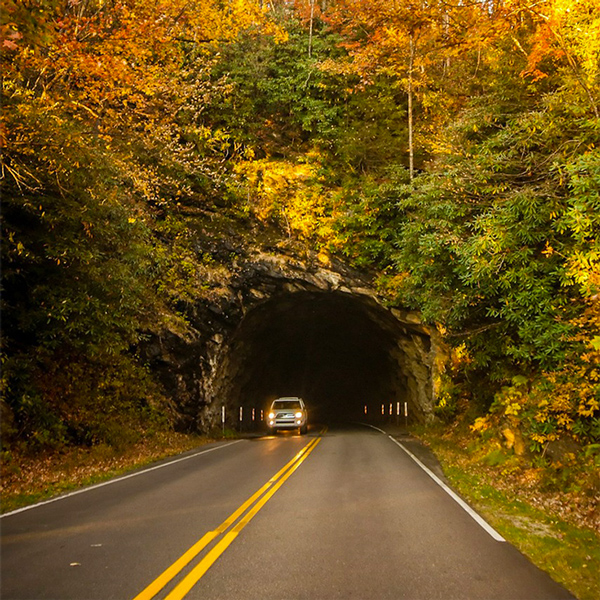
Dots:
{"x": 223, "y": 419}
{"x": 406, "y": 414}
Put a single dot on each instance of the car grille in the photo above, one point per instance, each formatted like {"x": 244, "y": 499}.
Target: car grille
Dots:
{"x": 284, "y": 417}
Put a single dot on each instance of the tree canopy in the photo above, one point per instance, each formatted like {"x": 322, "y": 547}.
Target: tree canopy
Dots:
{"x": 449, "y": 147}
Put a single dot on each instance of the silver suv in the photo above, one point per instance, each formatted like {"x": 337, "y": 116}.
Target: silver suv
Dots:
{"x": 287, "y": 413}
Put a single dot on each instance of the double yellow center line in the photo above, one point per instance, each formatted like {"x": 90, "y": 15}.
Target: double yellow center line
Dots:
{"x": 246, "y": 511}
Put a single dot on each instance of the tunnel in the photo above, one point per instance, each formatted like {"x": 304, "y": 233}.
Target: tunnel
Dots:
{"x": 348, "y": 356}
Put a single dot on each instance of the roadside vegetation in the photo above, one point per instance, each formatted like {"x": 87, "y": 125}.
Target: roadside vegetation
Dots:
{"x": 450, "y": 149}
{"x": 30, "y": 479}
{"x": 559, "y": 531}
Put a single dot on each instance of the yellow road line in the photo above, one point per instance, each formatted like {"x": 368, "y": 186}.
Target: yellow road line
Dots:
{"x": 202, "y": 567}
{"x": 276, "y": 481}
{"x": 162, "y": 580}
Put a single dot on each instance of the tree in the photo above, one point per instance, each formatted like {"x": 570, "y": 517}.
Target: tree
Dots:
{"x": 101, "y": 161}
{"x": 404, "y": 40}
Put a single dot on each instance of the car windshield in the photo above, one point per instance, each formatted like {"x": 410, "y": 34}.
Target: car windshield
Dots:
{"x": 287, "y": 404}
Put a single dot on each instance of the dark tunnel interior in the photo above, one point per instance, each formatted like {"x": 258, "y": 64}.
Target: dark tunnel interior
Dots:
{"x": 337, "y": 351}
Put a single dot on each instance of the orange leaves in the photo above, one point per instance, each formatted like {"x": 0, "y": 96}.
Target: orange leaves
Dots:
{"x": 567, "y": 35}
{"x": 92, "y": 80}
{"x": 105, "y": 52}
{"x": 110, "y": 71}
{"x": 10, "y": 39}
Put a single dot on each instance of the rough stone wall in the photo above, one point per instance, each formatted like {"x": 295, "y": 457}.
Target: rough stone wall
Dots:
{"x": 199, "y": 366}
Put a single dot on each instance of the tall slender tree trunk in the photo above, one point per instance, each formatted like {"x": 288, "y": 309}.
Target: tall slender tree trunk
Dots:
{"x": 411, "y": 150}
{"x": 310, "y": 31}
{"x": 446, "y": 33}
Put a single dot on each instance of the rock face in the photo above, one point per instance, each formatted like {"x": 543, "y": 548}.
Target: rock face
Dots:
{"x": 309, "y": 327}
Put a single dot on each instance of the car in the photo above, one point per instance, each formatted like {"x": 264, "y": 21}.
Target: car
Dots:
{"x": 287, "y": 413}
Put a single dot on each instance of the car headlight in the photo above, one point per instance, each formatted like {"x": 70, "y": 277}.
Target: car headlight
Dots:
{"x": 299, "y": 415}
{"x": 271, "y": 415}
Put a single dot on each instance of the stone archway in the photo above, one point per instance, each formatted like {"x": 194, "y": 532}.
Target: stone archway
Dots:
{"x": 291, "y": 326}
{"x": 321, "y": 332}
{"x": 338, "y": 351}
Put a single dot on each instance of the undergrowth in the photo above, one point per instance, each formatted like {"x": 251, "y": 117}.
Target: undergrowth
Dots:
{"x": 549, "y": 520}
{"x": 28, "y": 479}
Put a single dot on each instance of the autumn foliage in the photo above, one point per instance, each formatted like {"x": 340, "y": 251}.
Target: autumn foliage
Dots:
{"x": 450, "y": 147}
{"x": 102, "y": 150}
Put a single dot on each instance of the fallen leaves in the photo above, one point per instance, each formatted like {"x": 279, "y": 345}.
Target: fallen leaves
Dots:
{"x": 27, "y": 479}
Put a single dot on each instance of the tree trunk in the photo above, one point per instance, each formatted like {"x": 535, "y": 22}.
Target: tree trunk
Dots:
{"x": 411, "y": 152}
{"x": 310, "y": 32}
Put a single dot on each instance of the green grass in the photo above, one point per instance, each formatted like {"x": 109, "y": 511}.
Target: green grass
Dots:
{"x": 16, "y": 500}
{"x": 570, "y": 554}
{"x": 28, "y": 480}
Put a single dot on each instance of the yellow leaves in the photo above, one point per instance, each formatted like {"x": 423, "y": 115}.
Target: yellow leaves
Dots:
{"x": 569, "y": 31}
{"x": 542, "y": 438}
{"x": 589, "y": 408}
{"x": 212, "y": 20}
{"x": 578, "y": 23}
{"x": 389, "y": 285}
{"x": 514, "y": 408}
{"x": 480, "y": 425}
{"x": 583, "y": 269}
{"x": 564, "y": 420}
{"x": 288, "y": 192}
{"x": 460, "y": 356}
{"x": 324, "y": 258}
{"x": 513, "y": 441}
{"x": 87, "y": 228}
{"x": 542, "y": 414}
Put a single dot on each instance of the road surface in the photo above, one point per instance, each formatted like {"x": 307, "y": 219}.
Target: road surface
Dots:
{"x": 344, "y": 513}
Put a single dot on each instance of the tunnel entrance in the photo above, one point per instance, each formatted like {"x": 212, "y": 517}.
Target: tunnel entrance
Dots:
{"x": 340, "y": 352}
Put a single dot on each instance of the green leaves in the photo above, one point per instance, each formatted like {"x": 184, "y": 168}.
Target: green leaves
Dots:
{"x": 127, "y": 136}
{"x": 499, "y": 240}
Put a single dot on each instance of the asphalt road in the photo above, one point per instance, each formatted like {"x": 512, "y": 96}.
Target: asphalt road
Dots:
{"x": 348, "y": 514}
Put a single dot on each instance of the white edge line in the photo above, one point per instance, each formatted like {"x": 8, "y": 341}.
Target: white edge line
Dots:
{"x": 478, "y": 519}
{"x": 111, "y": 481}
{"x": 373, "y": 427}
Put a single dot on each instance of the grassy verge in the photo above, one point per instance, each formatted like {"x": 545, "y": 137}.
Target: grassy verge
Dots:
{"x": 532, "y": 520}
{"x": 30, "y": 479}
